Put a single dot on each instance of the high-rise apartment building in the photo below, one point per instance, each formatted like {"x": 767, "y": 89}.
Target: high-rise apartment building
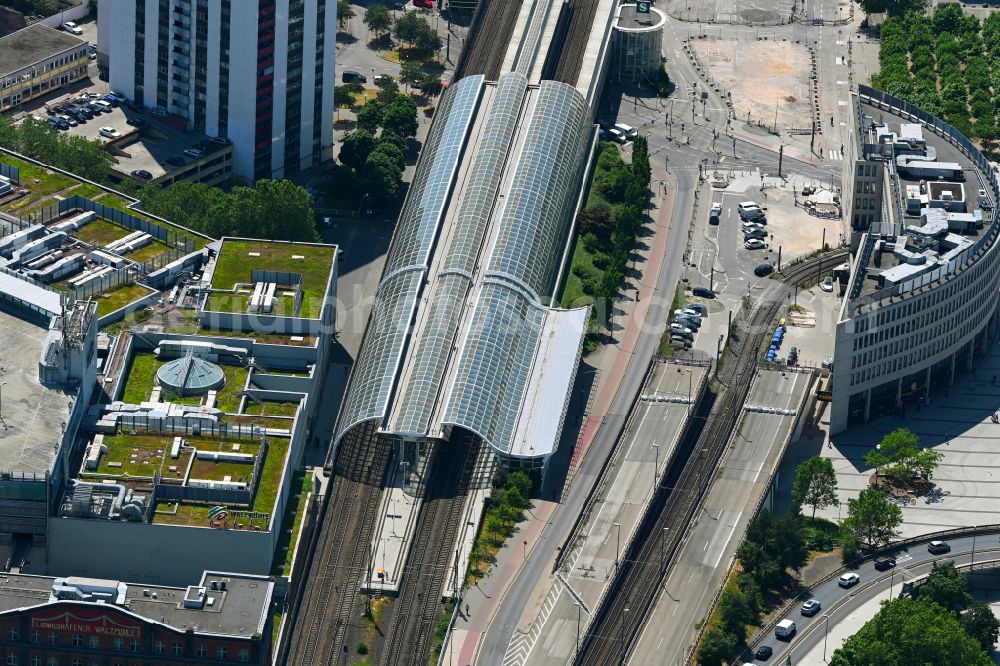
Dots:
{"x": 250, "y": 70}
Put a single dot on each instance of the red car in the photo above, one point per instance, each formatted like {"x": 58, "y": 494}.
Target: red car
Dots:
{"x": 424, "y": 4}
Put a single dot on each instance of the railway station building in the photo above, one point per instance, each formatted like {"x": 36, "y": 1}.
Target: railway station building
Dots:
{"x": 464, "y": 333}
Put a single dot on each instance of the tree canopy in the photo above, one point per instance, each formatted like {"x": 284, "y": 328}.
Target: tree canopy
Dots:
{"x": 893, "y": 7}
{"x": 815, "y": 484}
{"x": 947, "y": 587}
{"x": 908, "y": 631}
{"x": 872, "y": 519}
{"x": 41, "y": 141}
{"x": 344, "y": 12}
{"x": 900, "y": 458}
{"x": 378, "y": 20}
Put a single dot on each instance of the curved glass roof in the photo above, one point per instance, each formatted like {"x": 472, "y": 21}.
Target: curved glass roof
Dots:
{"x": 409, "y": 254}
{"x": 431, "y": 353}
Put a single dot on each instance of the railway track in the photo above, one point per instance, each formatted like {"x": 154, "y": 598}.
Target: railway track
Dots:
{"x": 340, "y": 550}
{"x": 636, "y": 588}
{"x": 410, "y": 630}
{"x": 570, "y": 59}
{"x": 487, "y": 43}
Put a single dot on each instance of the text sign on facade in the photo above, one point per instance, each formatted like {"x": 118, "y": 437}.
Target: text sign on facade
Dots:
{"x": 102, "y": 625}
{"x": 642, "y": 6}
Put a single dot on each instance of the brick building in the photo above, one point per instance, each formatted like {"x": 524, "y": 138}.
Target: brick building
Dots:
{"x": 44, "y": 621}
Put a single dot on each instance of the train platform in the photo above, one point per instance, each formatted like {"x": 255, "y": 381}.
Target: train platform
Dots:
{"x": 743, "y": 483}
{"x": 652, "y": 436}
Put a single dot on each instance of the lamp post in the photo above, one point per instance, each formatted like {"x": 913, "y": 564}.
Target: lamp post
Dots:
{"x": 656, "y": 465}
{"x": 825, "y": 634}
{"x": 579, "y": 609}
{"x": 621, "y": 636}
{"x": 618, "y": 543}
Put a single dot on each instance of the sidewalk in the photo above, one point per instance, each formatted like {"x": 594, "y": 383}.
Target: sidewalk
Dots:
{"x": 481, "y": 603}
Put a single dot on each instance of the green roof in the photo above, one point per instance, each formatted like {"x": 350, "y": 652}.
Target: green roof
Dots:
{"x": 238, "y": 257}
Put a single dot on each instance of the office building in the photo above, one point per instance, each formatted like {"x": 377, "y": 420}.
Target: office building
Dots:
{"x": 250, "y": 70}
{"x": 37, "y": 60}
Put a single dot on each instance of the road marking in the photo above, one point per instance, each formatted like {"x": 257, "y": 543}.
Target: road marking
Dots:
{"x": 836, "y": 155}
{"x": 722, "y": 549}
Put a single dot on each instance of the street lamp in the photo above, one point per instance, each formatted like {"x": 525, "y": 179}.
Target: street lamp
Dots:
{"x": 656, "y": 466}
{"x": 618, "y": 543}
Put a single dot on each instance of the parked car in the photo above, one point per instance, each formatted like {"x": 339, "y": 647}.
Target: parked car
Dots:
{"x": 350, "y": 75}
{"x": 109, "y": 132}
{"x": 617, "y": 136}
{"x": 763, "y": 653}
{"x": 826, "y": 284}
{"x": 83, "y": 110}
{"x": 681, "y": 331}
{"x": 194, "y": 152}
{"x": 176, "y": 160}
{"x": 885, "y": 563}
{"x": 752, "y": 226}
{"x": 753, "y": 244}
{"x": 691, "y": 322}
{"x": 629, "y": 131}
{"x": 714, "y": 217}
{"x": 755, "y": 215}
{"x": 699, "y": 308}
{"x": 759, "y": 234}
{"x": 744, "y": 206}
{"x": 424, "y": 4}
{"x": 827, "y": 363}
{"x": 71, "y": 27}
{"x": 221, "y": 140}
{"x": 763, "y": 270}
{"x": 69, "y": 120}
{"x": 136, "y": 122}
{"x": 848, "y": 580}
{"x": 793, "y": 356}
{"x": 142, "y": 174}
{"x": 687, "y": 311}
{"x": 811, "y": 607}
{"x": 938, "y": 547}
{"x": 703, "y": 292}
{"x": 111, "y": 99}
{"x": 57, "y": 123}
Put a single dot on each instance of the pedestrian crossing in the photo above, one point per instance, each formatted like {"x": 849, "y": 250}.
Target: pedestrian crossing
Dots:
{"x": 836, "y": 155}
{"x": 520, "y": 645}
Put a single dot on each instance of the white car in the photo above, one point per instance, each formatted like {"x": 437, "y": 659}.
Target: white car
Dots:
{"x": 752, "y": 226}
{"x": 69, "y": 26}
{"x": 753, "y": 244}
{"x": 826, "y": 284}
{"x": 745, "y": 206}
{"x": 617, "y": 136}
{"x": 849, "y": 580}
{"x": 717, "y": 208}
{"x": 109, "y": 132}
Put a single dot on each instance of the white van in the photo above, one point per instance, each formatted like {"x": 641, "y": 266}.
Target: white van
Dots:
{"x": 627, "y": 130}
{"x": 784, "y": 629}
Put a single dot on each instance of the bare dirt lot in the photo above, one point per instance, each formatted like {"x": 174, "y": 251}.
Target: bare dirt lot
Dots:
{"x": 763, "y": 76}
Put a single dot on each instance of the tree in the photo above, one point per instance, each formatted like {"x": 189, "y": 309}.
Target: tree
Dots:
{"x": 344, "y": 12}
{"x": 893, "y": 7}
{"x": 946, "y": 587}
{"x": 430, "y": 84}
{"x": 901, "y": 457}
{"x": 521, "y": 481}
{"x": 717, "y": 645}
{"x": 411, "y": 73}
{"x": 908, "y": 631}
{"x": 596, "y": 220}
{"x": 370, "y": 117}
{"x": 389, "y": 136}
{"x": 382, "y": 177}
{"x": 815, "y": 484}
{"x": 872, "y": 519}
{"x": 408, "y": 27}
{"x": 271, "y": 209}
{"x": 355, "y": 149}
{"x": 759, "y": 564}
{"x": 428, "y": 42}
{"x": 387, "y": 91}
{"x": 982, "y": 625}
{"x": 392, "y": 151}
{"x": 378, "y": 20}
{"x": 401, "y": 116}
{"x": 184, "y": 202}
{"x": 736, "y": 612}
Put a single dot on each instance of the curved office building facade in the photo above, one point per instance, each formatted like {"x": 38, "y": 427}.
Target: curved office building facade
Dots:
{"x": 921, "y": 301}
{"x": 461, "y": 332}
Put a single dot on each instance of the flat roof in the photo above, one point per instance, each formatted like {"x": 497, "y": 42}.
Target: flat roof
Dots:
{"x": 239, "y": 611}
{"x": 32, "y": 412}
{"x": 32, "y": 294}
{"x": 33, "y": 44}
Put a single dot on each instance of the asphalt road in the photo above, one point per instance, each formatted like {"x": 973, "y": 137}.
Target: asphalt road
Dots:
{"x": 838, "y": 603}
{"x": 496, "y": 639}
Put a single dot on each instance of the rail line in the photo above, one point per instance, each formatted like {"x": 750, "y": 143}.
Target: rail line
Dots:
{"x": 340, "y": 551}
{"x": 570, "y": 60}
{"x": 488, "y": 39}
{"x": 645, "y": 565}
{"x": 410, "y": 630}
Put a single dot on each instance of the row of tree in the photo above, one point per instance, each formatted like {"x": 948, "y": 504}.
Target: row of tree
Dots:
{"x": 943, "y": 625}
{"x": 376, "y": 150}
{"x": 504, "y": 509}
{"x": 271, "y": 209}
{"x": 946, "y": 64}
{"x": 41, "y": 141}
{"x": 609, "y": 231}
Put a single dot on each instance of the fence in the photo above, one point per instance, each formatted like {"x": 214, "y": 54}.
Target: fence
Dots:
{"x": 10, "y": 172}
{"x": 107, "y": 282}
